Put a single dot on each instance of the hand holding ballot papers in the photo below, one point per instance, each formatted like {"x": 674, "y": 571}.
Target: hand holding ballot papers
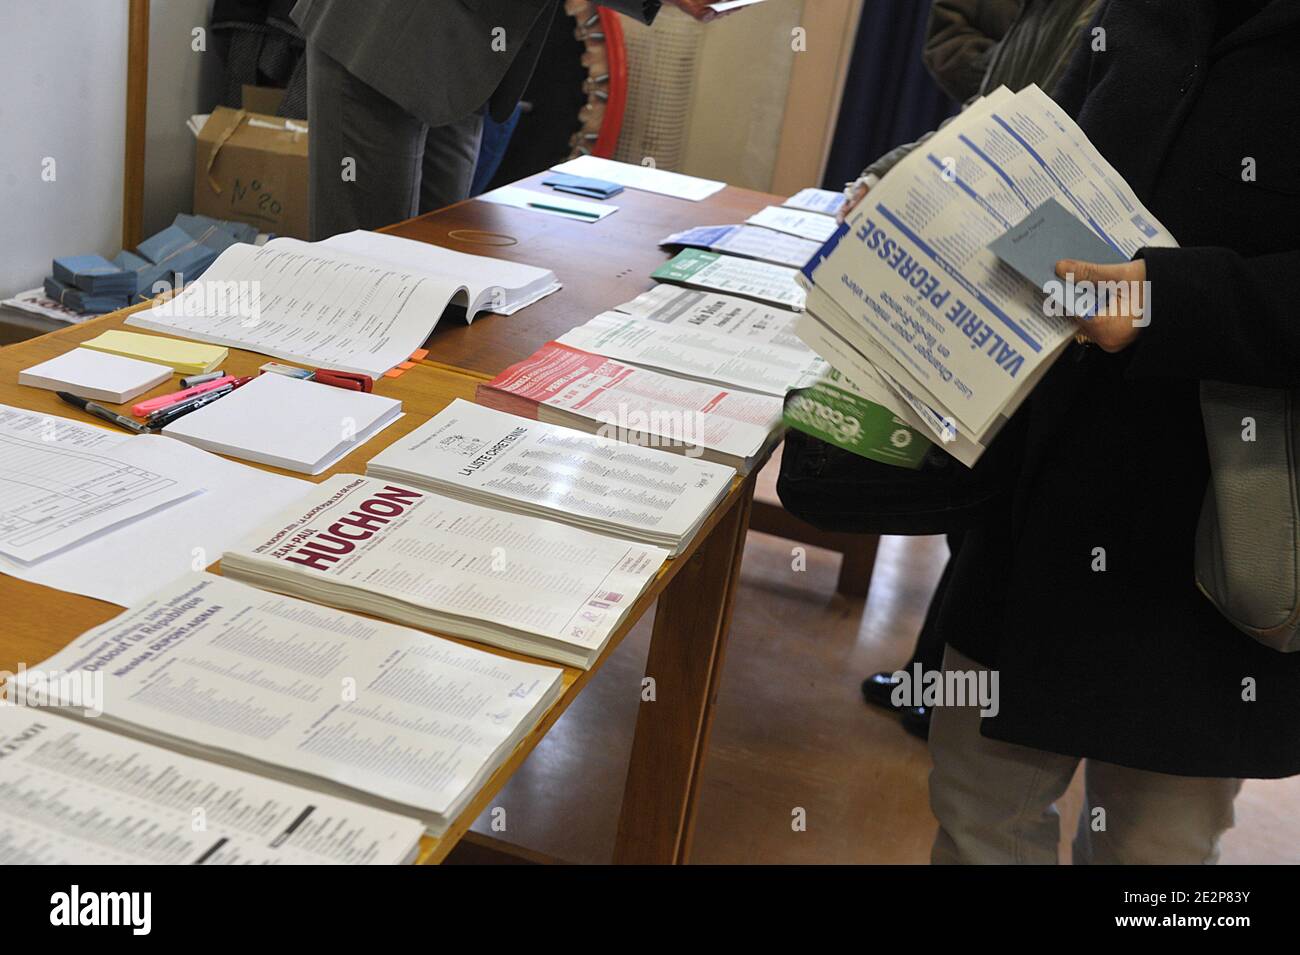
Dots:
{"x": 909, "y": 293}
{"x": 1116, "y": 325}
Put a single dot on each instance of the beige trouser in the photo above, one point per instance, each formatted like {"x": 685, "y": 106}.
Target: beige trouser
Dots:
{"x": 995, "y": 801}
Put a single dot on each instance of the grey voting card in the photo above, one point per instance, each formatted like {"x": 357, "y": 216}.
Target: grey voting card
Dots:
{"x": 1045, "y": 236}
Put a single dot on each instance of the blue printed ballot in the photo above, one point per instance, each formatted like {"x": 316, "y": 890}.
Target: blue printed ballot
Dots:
{"x": 909, "y": 292}
{"x": 1048, "y": 234}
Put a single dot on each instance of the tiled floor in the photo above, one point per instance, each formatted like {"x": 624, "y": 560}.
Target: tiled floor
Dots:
{"x": 792, "y": 733}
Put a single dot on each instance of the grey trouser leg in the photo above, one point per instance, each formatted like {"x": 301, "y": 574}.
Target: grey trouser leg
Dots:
{"x": 371, "y": 162}
{"x": 995, "y": 801}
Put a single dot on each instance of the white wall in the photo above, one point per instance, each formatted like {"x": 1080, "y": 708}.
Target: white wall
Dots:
{"x": 181, "y": 82}
{"x": 63, "y": 73}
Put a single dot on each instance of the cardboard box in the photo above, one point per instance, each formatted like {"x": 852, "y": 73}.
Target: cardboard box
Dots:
{"x": 252, "y": 168}
{"x": 262, "y": 99}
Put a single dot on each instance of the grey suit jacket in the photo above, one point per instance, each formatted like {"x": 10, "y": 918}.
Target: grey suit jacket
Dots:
{"x": 441, "y": 60}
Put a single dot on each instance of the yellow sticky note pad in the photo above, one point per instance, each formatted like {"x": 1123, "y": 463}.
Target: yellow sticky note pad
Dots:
{"x": 187, "y": 358}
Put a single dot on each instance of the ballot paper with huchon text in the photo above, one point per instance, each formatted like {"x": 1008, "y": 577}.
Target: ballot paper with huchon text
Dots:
{"x": 410, "y": 555}
{"x": 72, "y": 793}
{"x": 911, "y": 287}
{"x": 355, "y": 708}
{"x": 485, "y": 456}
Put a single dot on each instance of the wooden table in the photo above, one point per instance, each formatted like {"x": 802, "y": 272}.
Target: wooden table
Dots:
{"x": 695, "y": 593}
{"x": 601, "y": 265}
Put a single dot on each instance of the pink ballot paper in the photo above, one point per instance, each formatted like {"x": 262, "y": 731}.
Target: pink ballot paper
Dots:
{"x": 564, "y": 385}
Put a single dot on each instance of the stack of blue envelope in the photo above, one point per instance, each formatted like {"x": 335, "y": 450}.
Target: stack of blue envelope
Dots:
{"x": 178, "y": 254}
{"x": 582, "y": 185}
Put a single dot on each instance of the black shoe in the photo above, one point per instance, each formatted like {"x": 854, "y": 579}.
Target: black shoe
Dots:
{"x": 878, "y": 688}
{"x": 916, "y": 720}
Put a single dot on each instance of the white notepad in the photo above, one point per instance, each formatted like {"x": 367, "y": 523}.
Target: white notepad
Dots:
{"x": 287, "y": 423}
{"x": 96, "y": 375}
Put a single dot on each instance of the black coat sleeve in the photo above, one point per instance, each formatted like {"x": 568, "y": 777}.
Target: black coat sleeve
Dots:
{"x": 1219, "y": 316}
{"x": 1072, "y": 88}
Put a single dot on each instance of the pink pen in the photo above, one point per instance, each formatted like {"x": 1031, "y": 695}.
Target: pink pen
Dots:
{"x": 163, "y": 401}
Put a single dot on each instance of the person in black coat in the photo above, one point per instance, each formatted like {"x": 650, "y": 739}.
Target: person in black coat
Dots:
{"x": 1081, "y": 596}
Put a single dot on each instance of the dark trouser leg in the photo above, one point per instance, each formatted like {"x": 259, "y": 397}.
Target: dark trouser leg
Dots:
{"x": 929, "y": 644}
{"x": 366, "y": 152}
{"x": 450, "y": 155}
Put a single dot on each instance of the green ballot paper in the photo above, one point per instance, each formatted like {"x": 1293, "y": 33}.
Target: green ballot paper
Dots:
{"x": 839, "y": 413}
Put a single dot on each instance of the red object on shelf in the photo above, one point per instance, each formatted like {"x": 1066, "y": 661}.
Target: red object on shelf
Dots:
{"x": 616, "y": 57}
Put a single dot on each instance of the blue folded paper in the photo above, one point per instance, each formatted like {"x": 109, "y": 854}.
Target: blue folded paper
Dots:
{"x": 93, "y": 274}
{"x": 582, "y": 185}
{"x": 82, "y": 301}
{"x": 178, "y": 254}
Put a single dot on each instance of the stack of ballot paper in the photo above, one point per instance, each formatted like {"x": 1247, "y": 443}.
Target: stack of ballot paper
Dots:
{"x": 824, "y": 201}
{"x": 185, "y": 358}
{"x": 489, "y": 457}
{"x": 354, "y": 708}
{"x": 287, "y": 423}
{"x": 699, "y": 354}
{"x": 813, "y": 226}
{"x": 395, "y": 551}
{"x": 738, "y": 318}
{"x": 748, "y": 242}
{"x": 379, "y": 296}
{"x": 81, "y": 795}
{"x": 576, "y": 389}
{"x": 763, "y": 281}
{"x": 908, "y": 300}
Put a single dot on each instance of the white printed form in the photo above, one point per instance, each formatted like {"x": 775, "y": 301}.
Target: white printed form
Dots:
{"x": 57, "y": 488}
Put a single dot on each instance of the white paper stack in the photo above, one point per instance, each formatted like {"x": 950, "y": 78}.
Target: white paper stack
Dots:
{"x": 908, "y": 294}
{"x": 500, "y": 460}
{"x": 75, "y": 794}
{"x": 698, "y": 354}
{"x": 738, "y": 318}
{"x": 96, "y": 375}
{"x": 354, "y": 708}
{"x": 287, "y": 423}
{"x": 505, "y": 579}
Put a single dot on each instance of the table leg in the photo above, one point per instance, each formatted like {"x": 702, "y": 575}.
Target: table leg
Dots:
{"x": 672, "y": 731}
